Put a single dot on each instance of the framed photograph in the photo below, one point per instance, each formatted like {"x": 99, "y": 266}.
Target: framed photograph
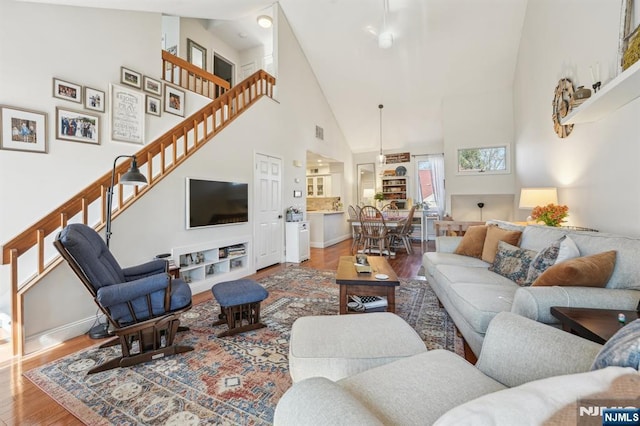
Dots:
{"x": 77, "y": 126}
{"x": 127, "y": 114}
{"x": 23, "y": 129}
{"x": 67, "y": 91}
{"x": 130, "y": 77}
{"x": 153, "y": 106}
{"x": 196, "y": 54}
{"x": 173, "y": 100}
{"x": 152, "y": 86}
{"x": 94, "y": 99}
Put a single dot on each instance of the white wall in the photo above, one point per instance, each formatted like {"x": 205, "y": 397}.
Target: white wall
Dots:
{"x": 58, "y": 306}
{"x": 473, "y": 121}
{"x": 371, "y": 157}
{"x": 68, "y": 43}
{"x": 171, "y": 32}
{"x": 79, "y": 53}
{"x": 596, "y": 167}
{"x": 197, "y": 30}
{"x": 296, "y": 82}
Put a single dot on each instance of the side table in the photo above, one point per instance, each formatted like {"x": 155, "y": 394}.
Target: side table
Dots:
{"x": 597, "y": 325}
{"x": 353, "y": 283}
{"x": 174, "y": 271}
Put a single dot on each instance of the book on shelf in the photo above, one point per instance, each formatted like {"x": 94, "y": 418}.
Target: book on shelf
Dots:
{"x": 234, "y": 251}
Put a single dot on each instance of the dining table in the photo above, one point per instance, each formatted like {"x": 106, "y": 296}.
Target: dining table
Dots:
{"x": 390, "y": 221}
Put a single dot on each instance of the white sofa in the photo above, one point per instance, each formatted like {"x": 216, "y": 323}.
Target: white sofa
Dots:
{"x": 526, "y": 372}
{"x": 473, "y": 295}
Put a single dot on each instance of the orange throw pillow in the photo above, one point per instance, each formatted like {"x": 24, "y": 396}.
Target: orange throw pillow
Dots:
{"x": 494, "y": 235}
{"x": 472, "y": 241}
{"x": 586, "y": 271}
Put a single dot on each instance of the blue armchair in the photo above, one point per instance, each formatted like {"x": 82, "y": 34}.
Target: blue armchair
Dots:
{"x": 142, "y": 303}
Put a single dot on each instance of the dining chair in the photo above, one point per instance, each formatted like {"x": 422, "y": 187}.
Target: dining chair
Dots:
{"x": 405, "y": 230}
{"x": 357, "y": 229}
{"x": 374, "y": 230}
{"x": 391, "y": 209}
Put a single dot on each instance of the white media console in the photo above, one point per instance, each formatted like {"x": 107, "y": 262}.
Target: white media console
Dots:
{"x": 203, "y": 265}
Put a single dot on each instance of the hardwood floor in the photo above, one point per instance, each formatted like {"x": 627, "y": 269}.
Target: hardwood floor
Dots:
{"x": 22, "y": 403}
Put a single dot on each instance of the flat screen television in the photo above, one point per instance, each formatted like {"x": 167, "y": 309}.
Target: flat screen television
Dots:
{"x": 212, "y": 203}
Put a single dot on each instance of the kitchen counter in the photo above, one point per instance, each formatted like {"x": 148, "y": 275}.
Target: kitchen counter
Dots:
{"x": 324, "y": 212}
{"x": 327, "y": 227}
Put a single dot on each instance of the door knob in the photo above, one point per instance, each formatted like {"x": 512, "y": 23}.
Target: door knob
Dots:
{"x": 279, "y": 216}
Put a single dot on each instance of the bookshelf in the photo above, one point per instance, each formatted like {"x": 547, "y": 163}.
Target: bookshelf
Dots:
{"x": 203, "y": 265}
{"x": 394, "y": 188}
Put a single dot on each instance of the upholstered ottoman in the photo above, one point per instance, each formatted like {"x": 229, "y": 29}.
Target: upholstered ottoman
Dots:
{"x": 239, "y": 305}
{"x": 337, "y": 346}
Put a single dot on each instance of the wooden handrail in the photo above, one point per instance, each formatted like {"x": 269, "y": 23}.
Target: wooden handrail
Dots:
{"x": 183, "y": 140}
{"x": 190, "y": 77}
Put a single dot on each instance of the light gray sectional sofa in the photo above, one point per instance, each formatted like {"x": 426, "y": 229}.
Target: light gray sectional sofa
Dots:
{"x": 473, "y": 295}
{"x": 527, "y": 372}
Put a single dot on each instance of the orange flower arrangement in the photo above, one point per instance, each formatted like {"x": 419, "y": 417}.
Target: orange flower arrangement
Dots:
{"x": 551, "y": 214}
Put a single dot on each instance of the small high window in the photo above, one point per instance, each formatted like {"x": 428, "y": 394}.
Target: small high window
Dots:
{"x": 483, "y": 160}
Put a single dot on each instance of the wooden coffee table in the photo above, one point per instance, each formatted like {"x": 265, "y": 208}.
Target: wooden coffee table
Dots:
{"x": 597, "y": 325}
{"x": 366, "y": 284}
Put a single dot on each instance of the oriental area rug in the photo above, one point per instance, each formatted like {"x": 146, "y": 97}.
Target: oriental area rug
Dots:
{"x": 235, "y": 380}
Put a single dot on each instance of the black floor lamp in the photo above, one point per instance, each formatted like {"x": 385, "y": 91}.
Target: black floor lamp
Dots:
{"x": 131, "y": 177}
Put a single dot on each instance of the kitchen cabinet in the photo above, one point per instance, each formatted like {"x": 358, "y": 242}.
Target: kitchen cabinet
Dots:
{"x": 319, "y": 186}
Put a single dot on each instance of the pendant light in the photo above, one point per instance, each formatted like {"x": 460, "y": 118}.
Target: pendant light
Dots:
{"x": 381, "y": 156}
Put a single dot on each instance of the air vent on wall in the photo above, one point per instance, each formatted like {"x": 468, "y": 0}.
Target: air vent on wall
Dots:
{"x": 320, "y": 133}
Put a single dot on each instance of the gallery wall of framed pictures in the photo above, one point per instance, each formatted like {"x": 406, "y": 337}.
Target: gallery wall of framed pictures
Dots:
{"x": 23, "y": 129}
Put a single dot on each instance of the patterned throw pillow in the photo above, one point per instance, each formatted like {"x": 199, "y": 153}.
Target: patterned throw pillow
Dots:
{"x": 622, "y": 350}
{"x": 512, "y": 262}
{"x": 544, "y": 259}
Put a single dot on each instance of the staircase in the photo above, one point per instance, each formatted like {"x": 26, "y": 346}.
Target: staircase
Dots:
{"x": 156, "y": 160}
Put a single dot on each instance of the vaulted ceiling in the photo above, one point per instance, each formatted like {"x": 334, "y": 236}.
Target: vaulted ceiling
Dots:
{"x": 441, "y": 49}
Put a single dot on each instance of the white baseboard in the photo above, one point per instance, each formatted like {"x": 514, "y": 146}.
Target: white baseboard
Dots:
{"x": 331, "y": 242}
{"x": 55, "y": 336}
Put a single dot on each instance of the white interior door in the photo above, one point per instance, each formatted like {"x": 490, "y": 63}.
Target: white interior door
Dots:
{"x": 269, "y": 236}
{"x": 247, "y": 69}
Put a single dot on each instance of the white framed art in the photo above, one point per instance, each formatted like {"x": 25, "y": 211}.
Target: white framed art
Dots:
{"x": 127, "y": 114}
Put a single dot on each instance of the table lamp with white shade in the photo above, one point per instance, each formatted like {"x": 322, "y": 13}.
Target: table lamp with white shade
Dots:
{"x": 533, "y": 197}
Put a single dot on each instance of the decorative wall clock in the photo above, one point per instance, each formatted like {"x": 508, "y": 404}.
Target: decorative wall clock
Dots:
{"x": 562, "y": 106}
